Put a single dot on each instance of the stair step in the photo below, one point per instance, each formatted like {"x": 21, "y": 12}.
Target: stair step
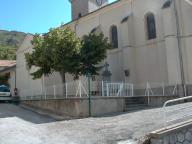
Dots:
{"x": 134, "y": 101}
{"x": 135, "y": 108}
{"x": 135, "y": 105}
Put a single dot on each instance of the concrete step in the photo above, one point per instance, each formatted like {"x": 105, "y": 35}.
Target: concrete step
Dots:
{"x": 134, "y": 103}
{"x": 135, "y": 107}
{"x": 134, "y": 100}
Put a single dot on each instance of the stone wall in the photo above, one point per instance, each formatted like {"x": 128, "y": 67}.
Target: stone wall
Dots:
{"x": 180, "y": 134}
{"x": 79, "y": 107}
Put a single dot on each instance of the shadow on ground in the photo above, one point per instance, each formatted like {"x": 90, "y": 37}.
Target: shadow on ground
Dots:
{"x": 11, "y": 110}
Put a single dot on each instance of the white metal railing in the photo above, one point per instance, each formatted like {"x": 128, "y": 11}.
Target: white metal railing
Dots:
{"x": 118, "y": 89}
{"x": 68, "y": 90}
{"x": 159, "y": 89}
{"x": 178, "y": 112}
{"x": 99, "y": 88}
{"x": 78, "y": 89}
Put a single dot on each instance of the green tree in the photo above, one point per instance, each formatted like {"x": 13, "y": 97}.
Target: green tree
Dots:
{"x": 4, "y": 79}
{"x": 55, "y": 51}
{"x": 60, "y": 50}
{"x": 93, "y": 51}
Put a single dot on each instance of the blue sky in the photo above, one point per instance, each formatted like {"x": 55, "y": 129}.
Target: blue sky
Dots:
{"x": 34, "y": 16}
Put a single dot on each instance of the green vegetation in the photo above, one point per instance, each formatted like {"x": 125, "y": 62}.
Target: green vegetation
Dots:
{"x": 60, "y": 50}
{"x": 4, "y": 79}
{"x": 9, "y": 43}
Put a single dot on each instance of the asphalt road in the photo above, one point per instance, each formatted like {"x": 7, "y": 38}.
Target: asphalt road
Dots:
{"x": 21, "y": 126}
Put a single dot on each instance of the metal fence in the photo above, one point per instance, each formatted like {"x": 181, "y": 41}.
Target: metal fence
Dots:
{"x": 177, "y": 110}
{"x": 79, "y": 89}
{"x": 156, "y": 89}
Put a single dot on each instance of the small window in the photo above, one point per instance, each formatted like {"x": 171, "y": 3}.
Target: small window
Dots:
{"x": 114, "y": 36}
{"x": 150, "y": 26}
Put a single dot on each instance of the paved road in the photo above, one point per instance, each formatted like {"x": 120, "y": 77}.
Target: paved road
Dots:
{"x": 20, "y": 126}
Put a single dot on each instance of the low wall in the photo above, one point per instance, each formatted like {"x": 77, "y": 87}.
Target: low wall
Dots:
{"x": 79, "y": 107}
{"x": 178, "y": 134}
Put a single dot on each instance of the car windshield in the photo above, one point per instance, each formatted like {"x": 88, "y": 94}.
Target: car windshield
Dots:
{"x": 4, "y": 89}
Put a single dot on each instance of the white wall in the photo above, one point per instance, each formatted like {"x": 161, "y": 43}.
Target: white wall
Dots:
{"x": 25, "y": 83}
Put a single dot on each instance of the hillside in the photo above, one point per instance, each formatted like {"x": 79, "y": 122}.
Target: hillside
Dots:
{"x": 9, "y": 43}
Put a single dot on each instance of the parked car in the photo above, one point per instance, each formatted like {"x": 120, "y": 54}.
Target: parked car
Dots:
{"x": 5, "y": 93}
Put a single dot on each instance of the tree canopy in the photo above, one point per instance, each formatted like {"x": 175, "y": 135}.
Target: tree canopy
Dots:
{"x": 60, "y": 50}
{"x": 93, "y": 51}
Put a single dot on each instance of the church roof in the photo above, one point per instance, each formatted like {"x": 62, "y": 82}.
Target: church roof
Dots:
{"x": 7, "y": 63}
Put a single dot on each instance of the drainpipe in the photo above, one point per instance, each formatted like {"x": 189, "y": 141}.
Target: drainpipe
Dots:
{"x": 180, "y": 48}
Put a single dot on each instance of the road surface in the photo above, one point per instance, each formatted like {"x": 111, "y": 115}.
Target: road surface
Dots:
{"x": 21, "y": 126}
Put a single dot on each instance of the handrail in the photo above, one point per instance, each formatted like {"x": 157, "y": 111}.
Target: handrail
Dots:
{"x": 172, "y": 101}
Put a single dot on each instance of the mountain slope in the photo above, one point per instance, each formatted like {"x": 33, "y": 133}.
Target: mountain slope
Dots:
{"x": 9, "y": 43}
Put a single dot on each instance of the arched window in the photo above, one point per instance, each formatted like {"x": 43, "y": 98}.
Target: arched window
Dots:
{"x": 114, "y": 36}
{"x": 150, "y": 26}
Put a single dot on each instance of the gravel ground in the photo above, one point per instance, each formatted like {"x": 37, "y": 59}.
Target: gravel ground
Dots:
{"x": 20, "y": 126}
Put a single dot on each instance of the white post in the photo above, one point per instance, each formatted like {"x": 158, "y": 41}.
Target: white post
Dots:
{"x": 163, "y": 86}
{"x": 32, "y": 95}
{"x": 103, "y": 93}
{"x": 132, "y": 89}
{"x": 54, "y": 91}
{"x": 107, "y": 89}
{"x": 45, "y": 93}
{"x": 66, "y": 90}
{"x": 80, "y": 89}
{"x": 175, "y": 88}
{"x": 148, "y": 93}
{"x": 121, "y": 89}
{"x": 165, "y": 117}
{"x": 43, "y": 86}
{"x": 185, "y": 90}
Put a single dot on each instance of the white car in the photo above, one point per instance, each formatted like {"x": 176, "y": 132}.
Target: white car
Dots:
{"x": 5, "y": 93}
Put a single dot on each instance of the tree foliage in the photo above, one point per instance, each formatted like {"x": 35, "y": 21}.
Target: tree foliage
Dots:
{"x": 60, "y": 50}
{"x": 93, "y": 51}
{"x": 4, "y": 79}
{"x": 7, "y": 52}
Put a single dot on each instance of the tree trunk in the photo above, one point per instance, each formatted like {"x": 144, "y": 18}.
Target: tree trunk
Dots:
{"x": 62, "y": 73}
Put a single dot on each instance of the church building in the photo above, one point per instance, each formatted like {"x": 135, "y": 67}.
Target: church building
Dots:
{"x": 151, "y": 41}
